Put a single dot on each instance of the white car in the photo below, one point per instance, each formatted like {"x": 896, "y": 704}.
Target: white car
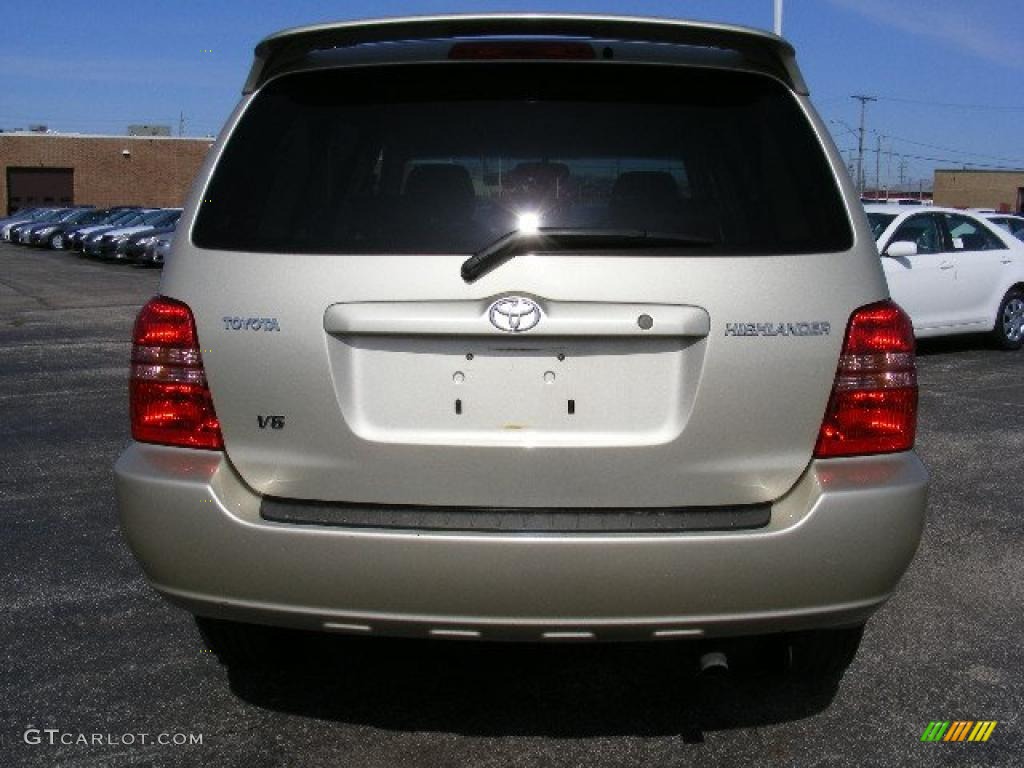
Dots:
{"x": 952, "y": 271}
{"x": 1012, "y": 223}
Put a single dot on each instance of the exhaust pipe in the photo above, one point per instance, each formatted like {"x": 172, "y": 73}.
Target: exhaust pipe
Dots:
{"x": 714, "y": 663}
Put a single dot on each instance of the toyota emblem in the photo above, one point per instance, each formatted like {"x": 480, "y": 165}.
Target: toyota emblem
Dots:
{"x": 514, "y": 314}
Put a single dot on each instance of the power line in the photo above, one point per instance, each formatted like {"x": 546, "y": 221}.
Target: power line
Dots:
{"x": 850, "y": 129}
{"x": 951, "y": 105}
{"x": 15, "y": 118}
{"x": 951, "y": 149}
{"x": 1018, "y": 163}
{"x": 953, "y": 161}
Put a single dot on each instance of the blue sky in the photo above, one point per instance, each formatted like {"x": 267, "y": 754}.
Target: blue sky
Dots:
{"x": 949, "y": 73}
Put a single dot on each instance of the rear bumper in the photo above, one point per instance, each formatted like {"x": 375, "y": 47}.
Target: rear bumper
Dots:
{"x": 835, "y": 548}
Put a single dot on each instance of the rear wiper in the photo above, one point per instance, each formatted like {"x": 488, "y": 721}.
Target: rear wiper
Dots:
{"x": 569, "y": 239}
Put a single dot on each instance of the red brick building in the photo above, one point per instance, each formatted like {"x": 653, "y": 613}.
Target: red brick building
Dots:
{"x": 56, "y": 169}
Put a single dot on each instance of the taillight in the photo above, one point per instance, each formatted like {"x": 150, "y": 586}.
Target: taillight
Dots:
{"x": 873, "y": 407}
{"x": 526, "y": 49}
{"x": 170, "y": 400}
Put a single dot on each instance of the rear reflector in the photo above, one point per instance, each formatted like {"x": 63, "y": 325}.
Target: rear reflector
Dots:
{"x": 873, "y": 407}
{"x": 532, "y": 49}
{"x": 169, "y": 398}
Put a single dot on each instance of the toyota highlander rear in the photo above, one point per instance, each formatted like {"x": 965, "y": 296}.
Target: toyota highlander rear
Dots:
{"x": 524, "y": 328}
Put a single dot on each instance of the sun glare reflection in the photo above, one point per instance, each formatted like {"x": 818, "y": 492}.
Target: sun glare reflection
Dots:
{"x": 528, "y": 223}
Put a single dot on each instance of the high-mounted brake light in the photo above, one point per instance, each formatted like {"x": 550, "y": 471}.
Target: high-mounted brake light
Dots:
{"x": 170, "y": 400}
{"x": 529, "y": 49}
{"x": 873, "y": 407}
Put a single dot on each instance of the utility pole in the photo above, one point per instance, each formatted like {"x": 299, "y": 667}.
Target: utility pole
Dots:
{"x": 878, "y": 163}
{"x": 903, "y": 171}
{"x": 777, "y": 26}
{"x": 860, "y": 139}
{"x": 181, "y": 124}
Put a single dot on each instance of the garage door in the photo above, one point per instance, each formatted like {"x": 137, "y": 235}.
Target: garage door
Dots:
{"x": 29, "y": 187}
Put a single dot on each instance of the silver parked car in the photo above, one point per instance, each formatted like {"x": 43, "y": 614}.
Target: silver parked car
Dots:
{"x": 156, "y": 250}
{"x": 543, "y": 328}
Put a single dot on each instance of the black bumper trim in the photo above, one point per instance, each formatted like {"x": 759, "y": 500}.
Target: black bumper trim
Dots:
{"x": 515, "y": 520}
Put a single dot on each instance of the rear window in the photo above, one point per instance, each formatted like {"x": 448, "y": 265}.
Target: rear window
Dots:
{"x": 447, "y": 158}
{"x": 879, "y": 223}
{"x": 971, "y": 235}
{"x": 94, "y": 217}
{"x": 123, "y": 218}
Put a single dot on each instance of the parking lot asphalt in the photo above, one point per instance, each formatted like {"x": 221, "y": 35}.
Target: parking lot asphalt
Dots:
{"x": 89, "y": 650}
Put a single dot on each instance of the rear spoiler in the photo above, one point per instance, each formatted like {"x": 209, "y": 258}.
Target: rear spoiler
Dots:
{"x": 769, "y": 52}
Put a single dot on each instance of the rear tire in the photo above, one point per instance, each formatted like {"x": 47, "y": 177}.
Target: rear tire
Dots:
{"x": 1008, "y": 332}
{"x": 823, "y": 654}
